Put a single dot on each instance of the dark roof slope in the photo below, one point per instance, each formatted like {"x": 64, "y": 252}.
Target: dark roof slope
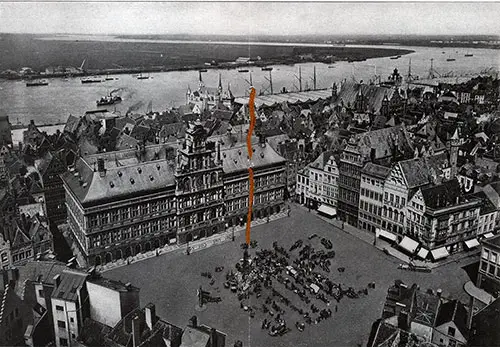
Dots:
{"x": 418, "y": 171}
{"x": 485, "y": 330}
{"x": 442, "y": 195}
{"x": 453, "y": 311}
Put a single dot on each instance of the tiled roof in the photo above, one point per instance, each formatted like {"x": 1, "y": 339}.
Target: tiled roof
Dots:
{"x": 119, "y": 181}
{"x": 71, "y": 282}
{"x": 453, "y": 311}
{"x": 72, "y": 124}
{"x": 495, "y": 241}
{"x": 292, "y": 98}
{"x": 442, "y": 195}
{"x": 126, "y": 142}
{"x": 194, "y": 338}
{"x": 321, "y": 160}
{"x": 41, "y": 270}
{"x": 418, "y": 171}
{"x": 376, "y": 170}
{"x": 487, "y": 206}
{"x": 425, "y": 308}
{"x": 374, "y": 95}
{"x": 486, "y": 326}
{"x": 385, "y": 142}
{"x": 236, "y": 158}
{"x": 112, "y": 284}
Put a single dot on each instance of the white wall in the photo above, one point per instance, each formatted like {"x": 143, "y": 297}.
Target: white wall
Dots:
{"x": 104, "y": 304}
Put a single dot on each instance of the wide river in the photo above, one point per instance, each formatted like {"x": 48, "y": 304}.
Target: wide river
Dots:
{"x": 62, "y": 97}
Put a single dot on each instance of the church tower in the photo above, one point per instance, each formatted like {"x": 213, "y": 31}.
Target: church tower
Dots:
{"x": 454, "y": 144}
{"x": 384, "y": 110}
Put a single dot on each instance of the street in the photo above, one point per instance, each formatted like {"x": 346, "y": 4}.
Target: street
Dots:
{"x": 170, "y": 281}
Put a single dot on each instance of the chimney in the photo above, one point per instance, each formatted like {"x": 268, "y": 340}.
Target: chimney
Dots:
{"x": 136, "y": 332}
{"x": 128, "y": 285}
{"x": 373, "y": 152}
{"x": 100, "y": 167}
{"x": 150, "y": 312}
{"x": 439, "y": 292}
{"x": 219, "y": 160}
{"x": 13, "y": 274}
{"x": 193, "y": 322}
{"x": 213, "y": 337}
{"x": 3, "y": 280}
{"x": 57, "y": 280}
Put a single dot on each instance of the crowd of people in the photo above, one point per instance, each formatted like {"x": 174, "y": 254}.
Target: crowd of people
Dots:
{"x": 291, "y": 283}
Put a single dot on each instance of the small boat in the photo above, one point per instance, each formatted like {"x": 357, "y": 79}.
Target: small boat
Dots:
{"x": 450, "y": 59}
{"x": 203, "y": 70}
{"x": 393, "y": 58}
{"x": 109, "y": 78}
{"x": 108, "y": 100}
{"x": 91, "y": 80}
{"x": 142, "y": 77}
{"x": 244, "y": 70}
{"x": 269, "y": 68}
{"x": 469, "y": 55}
{"x": 37, "y": 83}
{"x": 331, "y": 66}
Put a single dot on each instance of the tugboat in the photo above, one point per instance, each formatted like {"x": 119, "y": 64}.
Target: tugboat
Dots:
{"x": 37, "y": 83}
{"x": 91, "y": 80}
{"x": 142, "y": 77}
{"x": 108, "y": 100}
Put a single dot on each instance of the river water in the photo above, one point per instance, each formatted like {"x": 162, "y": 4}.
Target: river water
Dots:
{"x": 62, "y": 97}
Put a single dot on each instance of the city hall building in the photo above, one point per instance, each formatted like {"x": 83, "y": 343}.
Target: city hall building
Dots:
{"x": 127, "y": 202}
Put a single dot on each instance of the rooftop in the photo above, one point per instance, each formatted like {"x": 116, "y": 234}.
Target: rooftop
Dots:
{"x": 292, "y": 98}
{"x": 193, "y": 337}
{"x": 376, "y": 170}
{"x": 71, "y": 282}
{"x": 493, "y": 241}
{"x": 236, "y": 158}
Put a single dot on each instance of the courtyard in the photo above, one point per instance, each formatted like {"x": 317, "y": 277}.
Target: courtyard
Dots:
{"x": 171, "y": 282}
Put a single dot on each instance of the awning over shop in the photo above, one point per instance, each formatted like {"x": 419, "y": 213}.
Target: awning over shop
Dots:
{"x": 488, "y": 235}
{"x": 385, "y": 234}
{"x": 408, "y": 244}
{"x": 422, "y": 253}
{"x": 439, "y": 253}
{"x": 330, "y": 211}
{"x": 471, "y": 243}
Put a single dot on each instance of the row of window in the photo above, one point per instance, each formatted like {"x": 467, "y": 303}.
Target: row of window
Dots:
{"x": 371, "y": 194}
{"x": 132, "y": 232}
{"x": 394, "y": 199}
{"x": 197, "y": 200}
{"x": 22, "y": 255}
{"x": 490, "y": 269}
{"x": 490, "y": 256}
{"x": 373, "y": 182}
{"x": 201, "y": 216}
{"x": 124, "y": 213}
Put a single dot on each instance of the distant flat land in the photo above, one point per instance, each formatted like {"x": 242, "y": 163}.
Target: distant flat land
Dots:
{"x": 19, "y": 50}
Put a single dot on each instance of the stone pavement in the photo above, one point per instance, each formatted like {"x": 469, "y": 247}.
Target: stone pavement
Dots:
{"x": 369, "y": 237}
{"x": 194, "y": 246}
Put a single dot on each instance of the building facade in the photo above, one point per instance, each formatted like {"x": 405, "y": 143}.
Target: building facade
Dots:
{"x": 198, "y": 187}
{"x": 489, "y": 267}
{"x": 371, "y": 196}
{"x": 123, "y": 203}
{"x": 442, "y": 219}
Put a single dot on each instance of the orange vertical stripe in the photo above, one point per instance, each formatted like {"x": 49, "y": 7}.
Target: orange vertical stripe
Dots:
{"x": 251, "y": 107}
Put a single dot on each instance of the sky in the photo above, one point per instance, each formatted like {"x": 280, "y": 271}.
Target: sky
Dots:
{"x": 250, "y": 18}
